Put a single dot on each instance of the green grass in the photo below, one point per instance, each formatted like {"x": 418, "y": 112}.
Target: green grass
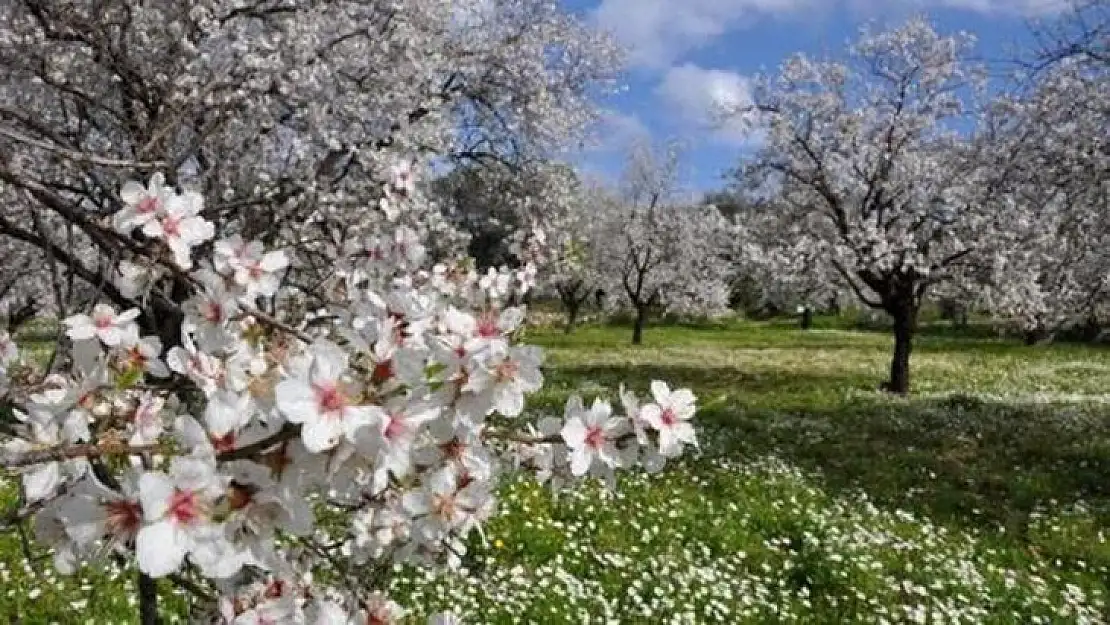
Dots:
{"x": 982, "y": 498}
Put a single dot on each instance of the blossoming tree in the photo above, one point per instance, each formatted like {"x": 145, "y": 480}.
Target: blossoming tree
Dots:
{"x": 659, "y": 254}
{"x": 870, "y": 172}
{"x": 285, "y": 366}
{"x": 1051, "y": 135}
{"x": 208, "y": 459}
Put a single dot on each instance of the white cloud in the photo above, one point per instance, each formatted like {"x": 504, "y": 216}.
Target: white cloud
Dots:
{"x": 698, "y": 96}
{"x": 1012, "y": 7}
{"x": 615, "y": 131}
{"x": 658, "y": 32}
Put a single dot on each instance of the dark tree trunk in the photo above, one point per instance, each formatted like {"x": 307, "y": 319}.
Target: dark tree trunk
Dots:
{"x": 572, "y": 317}
{"x": 638, "y": 329}
{"x": 905, "y": 324}
{"x": 1036, "y": 335}
{"x": 807, "y": 318}
{"x": 148, "y": 600}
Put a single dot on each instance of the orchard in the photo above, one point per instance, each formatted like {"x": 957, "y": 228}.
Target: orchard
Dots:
{"x": 313, "y": 314}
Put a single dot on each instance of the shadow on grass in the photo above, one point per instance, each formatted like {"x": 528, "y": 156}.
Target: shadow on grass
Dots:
{"x": 975, "y": 463}
{"x": 713, "y": 381}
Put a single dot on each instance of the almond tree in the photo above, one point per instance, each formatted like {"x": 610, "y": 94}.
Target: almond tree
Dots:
{"x": 275, "y": 331}
{"x": 657, "y": 253}
{"x": 283, "y": 115}
{"x": 1052, "y": 135}
{"x": 786, "y": 271}
{"x": 569, "y": 270}
{"x": 870, "y": 173}
{"x": 221, "y": 462}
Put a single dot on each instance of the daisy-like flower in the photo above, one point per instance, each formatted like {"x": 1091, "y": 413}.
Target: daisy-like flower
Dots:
{"x": 670, "y": 415}
{"x": 591, "y": 435}
{"x": 321, "y": 398}
{"x": 104, "y": 324}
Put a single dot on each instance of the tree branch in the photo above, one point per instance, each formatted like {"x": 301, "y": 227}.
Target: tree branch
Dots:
{"x": 81, "y": 157}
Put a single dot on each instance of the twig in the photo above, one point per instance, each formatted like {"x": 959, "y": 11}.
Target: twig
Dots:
{"x": 288, "y": 432}
{"x": 190, "y": 586}
{"x": 80, "y": 157}
{"x": 280, "y": 325}
{"x": 12, "y": 459}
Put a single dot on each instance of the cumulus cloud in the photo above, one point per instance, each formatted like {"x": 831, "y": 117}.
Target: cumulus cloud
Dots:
{"x": 1012, "y": 7}
{"x": 615, "y": 131}
{"x": 697, "y": 97}
{"x": 658, "y": 32}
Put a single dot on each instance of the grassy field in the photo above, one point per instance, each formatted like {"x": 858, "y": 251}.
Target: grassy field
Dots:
{"x": 983, "y": 498}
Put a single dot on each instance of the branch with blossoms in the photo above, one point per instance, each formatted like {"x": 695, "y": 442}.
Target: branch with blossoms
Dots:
{"x": 226, "y": 451}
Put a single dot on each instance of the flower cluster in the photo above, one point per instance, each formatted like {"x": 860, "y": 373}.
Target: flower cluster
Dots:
{"x": 395, "y": 405}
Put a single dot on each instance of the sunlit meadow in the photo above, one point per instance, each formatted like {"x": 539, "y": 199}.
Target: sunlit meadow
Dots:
{"x": 814, "y": 498}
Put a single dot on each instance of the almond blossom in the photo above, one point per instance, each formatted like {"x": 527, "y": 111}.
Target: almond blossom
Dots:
{"x": 180, "y": 226}
{"x": 505, "y": 376}
{"x": 592, "y": 436}
{"x": 322, "y": 399}
{"x": 97, "y": 514}
{"x": 104, "y": 324}
{"x": 178, "y": 511}
{"x": 142, "y": 204}
{"x": 670, "y": 415}
{"x": 376, "y": 405}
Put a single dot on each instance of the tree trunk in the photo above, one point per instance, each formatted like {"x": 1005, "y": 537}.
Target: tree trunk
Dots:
{"x": 148, "y": 600}
{"x": 807, "y": 318}
{"x": 905, "y": 323}
{"x": 572, "y": 317}
{"x": 638, "y": 329}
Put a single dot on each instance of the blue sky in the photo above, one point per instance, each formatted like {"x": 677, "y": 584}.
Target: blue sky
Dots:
{"x": 685, "y": 54}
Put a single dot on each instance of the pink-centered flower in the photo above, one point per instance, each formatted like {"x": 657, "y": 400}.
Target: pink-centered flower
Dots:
{"x": 181, "y": 228}
{"x": 507, "y": 375}
{"x": 104, "y": 324}
{"x": 141, "y": 204}
{"x": 96, "y": 512}
{"x": 670, "y": 415}
{"x": 322, "y": 399}
{"x": 592, "y": 435}
{"x": 177, "y": 509}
